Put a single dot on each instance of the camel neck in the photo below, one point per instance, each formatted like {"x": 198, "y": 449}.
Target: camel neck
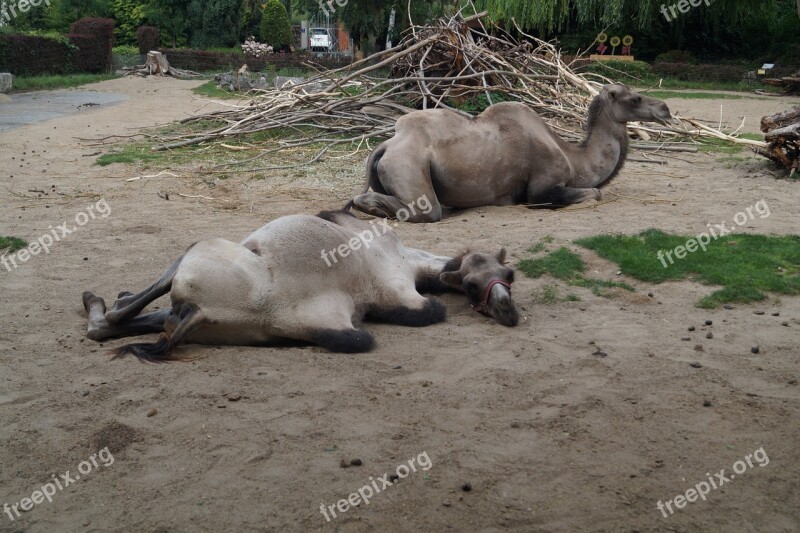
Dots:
{"x": 602, "y": 153}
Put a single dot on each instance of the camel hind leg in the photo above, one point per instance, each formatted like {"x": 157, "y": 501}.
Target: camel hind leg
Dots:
{"x": 100, "y": 329}
{"x": 402, "y": 189}
{"x": 129, "y": 305}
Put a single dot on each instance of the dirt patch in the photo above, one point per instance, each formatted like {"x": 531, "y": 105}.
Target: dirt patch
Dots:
{"x": 549, "y": 434}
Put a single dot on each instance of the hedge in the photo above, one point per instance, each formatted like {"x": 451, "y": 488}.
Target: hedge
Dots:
{"x": 203, "y": 60}
{"x": 94, "y": 38}
{"x": 147, "y": 39}
{"x": 30, "y": 55}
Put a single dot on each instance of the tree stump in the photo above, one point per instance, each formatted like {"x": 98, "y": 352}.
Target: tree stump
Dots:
{"x": 157, "y": 64}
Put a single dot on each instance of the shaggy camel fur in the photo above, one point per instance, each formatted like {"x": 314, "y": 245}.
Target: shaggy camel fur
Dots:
{"x": 275, "y": 285}
{"x": 506, "y": 155}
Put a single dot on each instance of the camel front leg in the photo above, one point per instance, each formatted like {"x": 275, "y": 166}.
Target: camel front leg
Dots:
{"x": 385, "y": 206}
{"x": 560, "y": 196}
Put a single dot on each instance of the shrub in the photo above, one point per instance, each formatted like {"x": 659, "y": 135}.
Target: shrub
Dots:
{"x": 30, "y": 55}
{"x": 676, "y": 56}
{"x": 147, "y": 39}
{"x": 620, "y": 70}
{"x": 705, "y": 72}
{"x": 94, "y": 38}
{"x": 276, "y": 30}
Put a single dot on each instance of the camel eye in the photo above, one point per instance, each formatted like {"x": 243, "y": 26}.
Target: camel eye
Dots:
{"x": 510, "y": 276}
{"x": 472, "y": 287}
{"x": 637, "y": 100}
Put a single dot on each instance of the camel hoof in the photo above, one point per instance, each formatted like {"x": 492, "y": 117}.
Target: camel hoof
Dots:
{"x": 89, "y": 298}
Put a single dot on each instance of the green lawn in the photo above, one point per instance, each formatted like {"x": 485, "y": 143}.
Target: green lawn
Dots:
{"x": 745, "y": 266}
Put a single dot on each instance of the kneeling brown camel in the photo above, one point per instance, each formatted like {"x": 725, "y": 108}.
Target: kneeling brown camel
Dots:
{"x": 281, "y": 283}
{"x": 506, "y": 155}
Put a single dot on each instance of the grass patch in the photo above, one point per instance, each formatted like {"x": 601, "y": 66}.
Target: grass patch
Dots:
{"x": 561, "y": 264}
{"x": 720, "y": 146}
{"x": 38, "y": 83}
{"x": 746, "y": 266}
{"x": 11, "y": 244}
{"x": 210, "y": 90}
{"x": 130, "y": 154}
{"x": 569, "y": 267}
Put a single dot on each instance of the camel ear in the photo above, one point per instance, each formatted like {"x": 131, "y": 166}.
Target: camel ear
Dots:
{"x": 501, "y": 256}
{"x": 451, "y": 279}
{"x": 612, "y": 93}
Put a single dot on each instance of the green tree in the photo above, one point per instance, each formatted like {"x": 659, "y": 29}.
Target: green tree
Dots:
{"x": 215, "y": 23}
{"x": 276, "y": 30}
{"x": 171, "y": 17}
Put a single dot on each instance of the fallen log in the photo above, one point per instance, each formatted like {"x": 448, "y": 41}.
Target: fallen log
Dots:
{"x": 790, "y": 84}
{"x": 782, "y": 133}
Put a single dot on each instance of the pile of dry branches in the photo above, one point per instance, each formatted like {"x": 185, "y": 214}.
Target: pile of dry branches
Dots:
{"x": 440, "y": 65}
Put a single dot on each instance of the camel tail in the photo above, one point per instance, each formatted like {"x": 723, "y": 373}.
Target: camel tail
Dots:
{"x": 185, "y": 318}
{"x": 372, "y": 174}
{"x": 149, "y": 352}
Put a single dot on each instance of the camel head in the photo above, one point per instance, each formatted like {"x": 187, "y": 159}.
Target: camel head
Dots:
{"x": 624, "y": 105}
{"x": 487, "y": 284}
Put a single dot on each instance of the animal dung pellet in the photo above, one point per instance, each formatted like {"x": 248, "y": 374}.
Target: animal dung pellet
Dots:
{"x": 706, "y": 403}
{"x": 755, "y": 349}
{"x": 152, "y": 412}
{"x": 686, "y": 338}
{"x": 709, "y": 335}
{"x": 466, "y": 487}
{"x": 695, "y": 365}
{"x": 356, "y": 462}
{"x": 709, "y": 322}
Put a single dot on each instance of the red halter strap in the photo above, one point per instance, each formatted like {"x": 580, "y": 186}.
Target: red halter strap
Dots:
{"x": 483, "y": 307}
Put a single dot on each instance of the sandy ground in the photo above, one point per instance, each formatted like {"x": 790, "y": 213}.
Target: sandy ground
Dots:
{"x": 548, "y": 436}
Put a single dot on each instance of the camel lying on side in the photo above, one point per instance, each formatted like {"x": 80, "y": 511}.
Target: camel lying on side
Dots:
{"x": 506, "y": 155}
{"x": 280, "y": 283}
